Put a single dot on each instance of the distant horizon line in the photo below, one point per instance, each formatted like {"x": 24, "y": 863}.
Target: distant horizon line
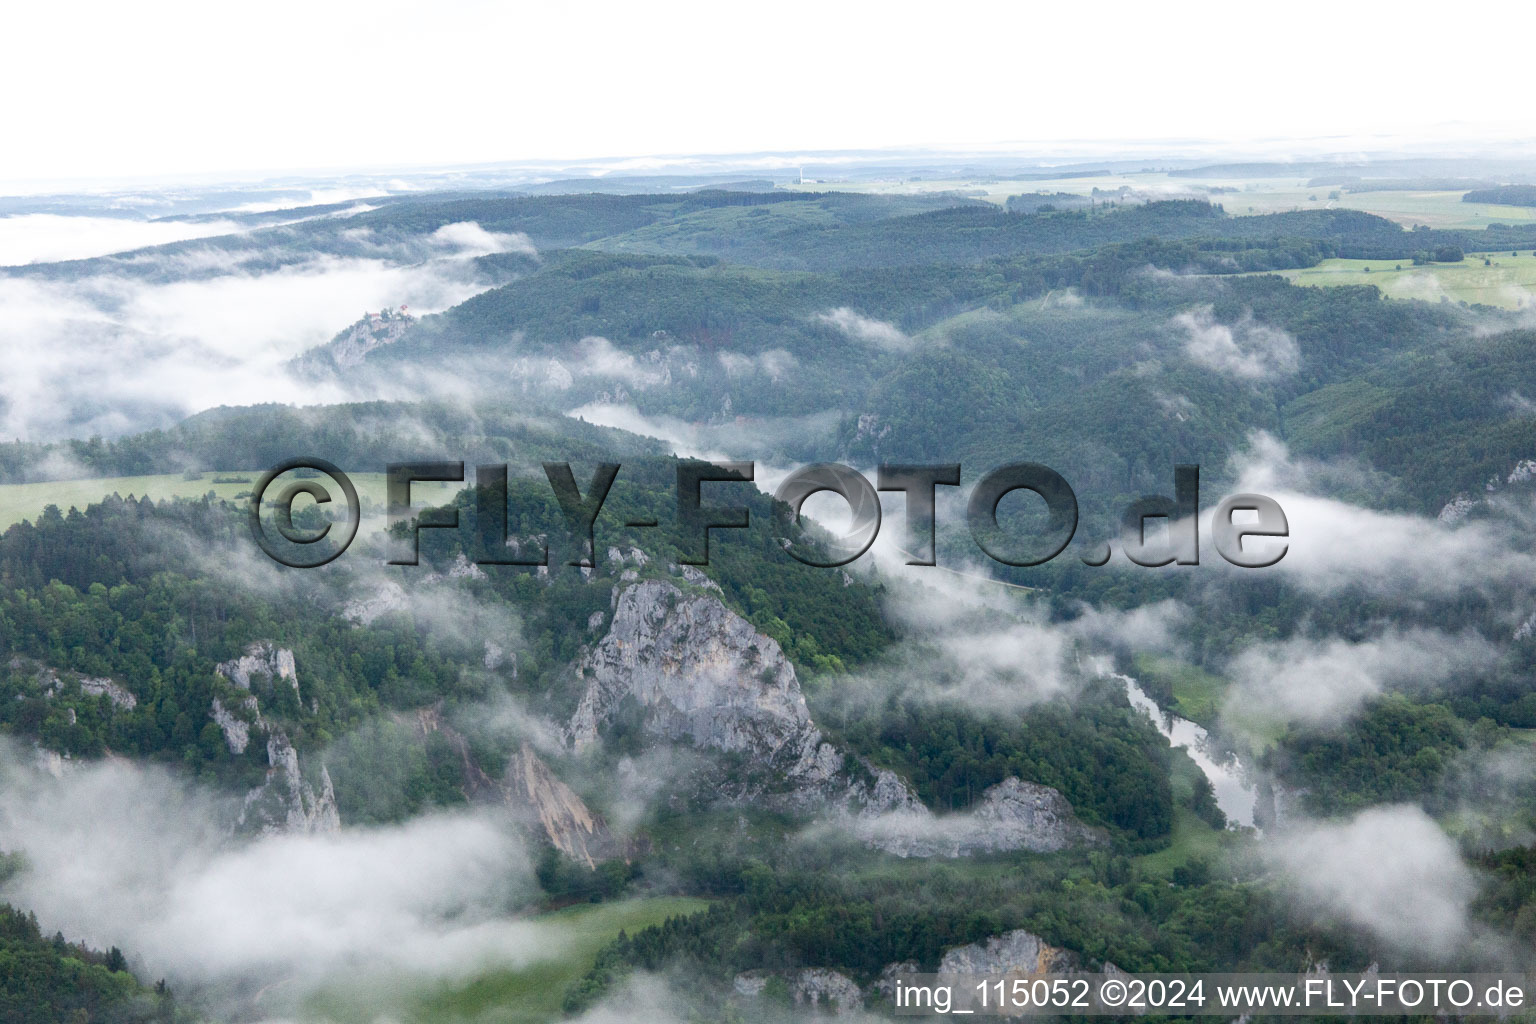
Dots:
{"x": 1023, "y": 154}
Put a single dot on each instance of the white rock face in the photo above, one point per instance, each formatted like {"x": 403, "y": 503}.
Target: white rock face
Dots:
{"x": 1456, "y": 509}
{"x": 363, "y": 610}
{"x": 54, "y": 684}
{"x": 562, "y": 815}
{"x": 533, "y": 794}
{"x": 119, "y": 696}
{"x": 826, "y": 989}
{"x": 1015, "y": 951}
{"x": 262, "y": 661}
{"x": 1012, "y": 815}
{"x": 237, "y": 731}
{"x": 706, "y": 677}
{"x": 812, "y": 987}
{"x": 351, "y": 346}
{"x": 285, "y": 802}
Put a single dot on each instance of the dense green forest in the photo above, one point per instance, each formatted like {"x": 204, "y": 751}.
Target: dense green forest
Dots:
{"x": 46, "y": 979}
{"x": 1108, "y": 341}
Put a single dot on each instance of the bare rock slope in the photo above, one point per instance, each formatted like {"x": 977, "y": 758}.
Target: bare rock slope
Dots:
{"x": 705, "y": 676}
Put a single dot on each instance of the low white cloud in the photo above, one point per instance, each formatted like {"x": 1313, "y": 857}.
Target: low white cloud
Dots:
{"x": 118, "y": 854}
{"x": 1247, "y": 350}
{"x": 991, "y": 648}
{"x": 865, "y": 329}
{"x": 1334, "y": 545}
{"x": 112, "y": 355}
{"x": 1324, "y": 682}
{"x": 470, "y": 239}
{"x": 775, "y": 363}
{"x": 752, "y": 437}
{"x": 1389, "y": 870}
{"x": 599, "y": 357}
{"x": 49, "y": 237}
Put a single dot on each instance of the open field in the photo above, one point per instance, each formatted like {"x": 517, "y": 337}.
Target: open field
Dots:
{"x": 27, "y": 501}
{"x": 571, "y": 939}
{"x": 1196, "y": 693}
{"x": 1510, "y": 282}
{"x": 1192, "y": 839}
{"x": 1238, "y": 196}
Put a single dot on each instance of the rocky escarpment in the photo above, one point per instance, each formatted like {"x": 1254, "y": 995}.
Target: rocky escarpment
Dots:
{"x": 285, "y": 801}
{"x": 812, "y": 987}
{"x": 702, "y": 675}
{"x": 1012, "y": 952}
{"x": 534, "y": 795}
{"x": 1012, "y": 815}
{"x": 350, "y": 347}
{"x": 54, "y": 684}
{"x": 263, "y": 662}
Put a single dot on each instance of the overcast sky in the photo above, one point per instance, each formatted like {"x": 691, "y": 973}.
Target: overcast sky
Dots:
{"x": 109, "y": 90}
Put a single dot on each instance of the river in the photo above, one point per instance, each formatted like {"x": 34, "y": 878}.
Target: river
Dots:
{"x": 1235, "y": 793}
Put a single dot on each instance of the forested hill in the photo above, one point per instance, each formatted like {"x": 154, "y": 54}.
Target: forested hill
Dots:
{"x": 359, "y": 437}
{"x": 44, "y": 980}
{"x": 787, "y": 230}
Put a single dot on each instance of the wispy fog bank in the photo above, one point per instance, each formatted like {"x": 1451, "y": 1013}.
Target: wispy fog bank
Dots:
{"x": 120, "y": 854}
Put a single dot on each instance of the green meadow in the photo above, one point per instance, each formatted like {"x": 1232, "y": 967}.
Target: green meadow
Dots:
{"x": 568, "y": 940}
{"x": 1506, "y": 280}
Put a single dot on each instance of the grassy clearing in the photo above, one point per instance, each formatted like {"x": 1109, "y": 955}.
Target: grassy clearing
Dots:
{"x": 1193, "y": 839}
{"x": 1196, "y": 693}
{"x": 1509, "y": 282}
{"x": 27, "y": 501}
{"x": 569, "y": 939}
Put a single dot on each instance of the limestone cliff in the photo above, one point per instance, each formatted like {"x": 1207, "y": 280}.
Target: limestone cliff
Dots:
{"x": 1012, "y": 815}
{"x": 285, "y": 801}
{"x": 702, "y": 675}
{"x": 263, "y": 663}
{"x": 562, "y": 815}
{"x": 350, "y": 347}
{"x": 1012, "y": 952}
{"x": 533, "y": 794}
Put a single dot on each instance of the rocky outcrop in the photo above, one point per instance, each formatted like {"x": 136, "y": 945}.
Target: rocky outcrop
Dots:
{"x": 556, "y": 809}
{"x": 236, "y": 729}
{"x": 116, "y": 693}
{"x": 286, "y": 802}
{"x": 263, "y": 663}
{"x": 534, "y": 795}
{"x": 350, "y": 347}
{"x": 390, "y": 597}
{"x": 1012, "y": 815}
{"x": 53, "y": 684}
{"x": 811, "y": 987}
{"x": 1464, "y": 505}
{"x": 702, "y": 675}
{"x": 1012, "y": 952}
